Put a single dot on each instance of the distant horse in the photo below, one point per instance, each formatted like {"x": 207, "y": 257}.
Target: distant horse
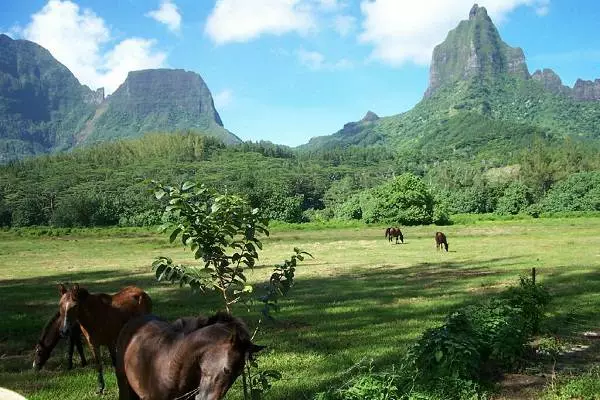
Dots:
{"x": 157, "y": 360}
{"x": 49, "y": 339}
{"x": 394, "y": 232}
{"x": 101, "y": 317}
{"x": 440, "y": 239}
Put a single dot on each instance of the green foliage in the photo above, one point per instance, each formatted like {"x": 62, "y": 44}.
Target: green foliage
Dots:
{"x": 585, "y": 386}
{"x": 579, "y": 192}
{"x": 452, "y": 361}
{"x": 403, "y": 200}
{"x": 516, "y": 198}
{"x": 223, "y": 231}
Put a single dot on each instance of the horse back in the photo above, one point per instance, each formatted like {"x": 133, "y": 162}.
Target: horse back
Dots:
{"x": 133, "y": 300}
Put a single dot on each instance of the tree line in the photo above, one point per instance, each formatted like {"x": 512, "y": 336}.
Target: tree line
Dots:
{"x": 107, "y": 184}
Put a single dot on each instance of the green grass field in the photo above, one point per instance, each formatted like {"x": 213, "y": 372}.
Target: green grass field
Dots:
{"x": 360, "y": 300}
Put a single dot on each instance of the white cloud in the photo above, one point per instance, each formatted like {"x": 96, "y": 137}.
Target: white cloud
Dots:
{"x": 167, "y": 14}
{"x": 77, "y": 38}
{"x": 344, "y": 24}
{"x": 244, "y": 20}
{"x": 407, "y": 31}
{"x": 223, "y": 99}
{"x": 316, "y": 61}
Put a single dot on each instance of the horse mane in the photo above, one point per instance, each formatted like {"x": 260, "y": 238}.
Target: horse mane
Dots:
{"x": 387, "y": 231}
{"x": 234, "y": 323}
{"x": 48, "y": 325}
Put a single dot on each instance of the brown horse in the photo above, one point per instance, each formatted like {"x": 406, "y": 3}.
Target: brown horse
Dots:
{"x": 440, "y": 239}
{"x": 49, "y": 339}
{"x": 394, "y": 232}
{"x": 199, "y": 359}
{"x": 101, "y": 317}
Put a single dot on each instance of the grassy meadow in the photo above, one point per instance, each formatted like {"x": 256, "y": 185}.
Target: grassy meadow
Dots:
{"x": 360, "y": 301}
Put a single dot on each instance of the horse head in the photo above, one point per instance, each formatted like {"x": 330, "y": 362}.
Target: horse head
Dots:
{"x": 223, "y": 362}
{"x": 69, "y": 305}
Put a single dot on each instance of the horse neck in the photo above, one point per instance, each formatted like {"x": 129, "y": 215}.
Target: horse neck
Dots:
{"x": 51, "y": 334}
{"x": 93, "y": 313}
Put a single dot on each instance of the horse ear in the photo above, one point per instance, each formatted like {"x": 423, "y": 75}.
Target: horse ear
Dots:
{"x": 61, "y": 289}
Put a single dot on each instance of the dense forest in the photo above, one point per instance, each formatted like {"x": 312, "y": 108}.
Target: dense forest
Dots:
{"x": 107, "y": 184}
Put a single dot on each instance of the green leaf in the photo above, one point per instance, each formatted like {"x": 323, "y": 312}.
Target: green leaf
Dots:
{"x": 439, "y": 355}
{"x": 174, "y": 234}
{"x": 159, "y": 194}
{"x": 188, "y": 185}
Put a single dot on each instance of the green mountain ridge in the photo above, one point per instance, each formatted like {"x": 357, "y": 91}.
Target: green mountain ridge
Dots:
{"x": 481, "y": 103}
{"x": 157, "y": 100}
{"x": 44, "y": 108}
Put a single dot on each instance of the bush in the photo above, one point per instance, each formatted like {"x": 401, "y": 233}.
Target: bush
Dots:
{"x": 579, "y": 192}
{"x": 453, "y": 360}
{"x": 404, "y": 200}
{"x": 516, "y": 198}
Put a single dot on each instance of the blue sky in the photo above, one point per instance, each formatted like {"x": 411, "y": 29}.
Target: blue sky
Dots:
{"x": 288, "y": 70}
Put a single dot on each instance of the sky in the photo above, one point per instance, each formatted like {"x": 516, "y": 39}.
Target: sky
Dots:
{"x": 288, "y": 70}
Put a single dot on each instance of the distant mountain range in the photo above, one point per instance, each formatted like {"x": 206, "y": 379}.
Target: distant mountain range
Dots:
{"x": 44, "y": 108}
{"x": 481, "y": 102}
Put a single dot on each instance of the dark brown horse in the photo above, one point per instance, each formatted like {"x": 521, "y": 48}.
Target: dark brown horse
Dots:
{"x": 440, "y": 239}
{"x": 49, "y": 339}
{"x": 394, "y": 232}
{"x": 101, "y": 317}
{"x": 157, "y": 360}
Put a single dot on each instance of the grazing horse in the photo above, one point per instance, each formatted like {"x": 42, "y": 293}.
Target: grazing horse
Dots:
{"x": 440, "y": 239}
{"x": 188, "y": 359}
{"x": 101, "y": 317}
{"x": 394, "y": 232}
{"x": 49, "y": 339}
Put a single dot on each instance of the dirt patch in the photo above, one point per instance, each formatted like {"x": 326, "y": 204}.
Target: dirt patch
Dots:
{"x": 579, "y": 356}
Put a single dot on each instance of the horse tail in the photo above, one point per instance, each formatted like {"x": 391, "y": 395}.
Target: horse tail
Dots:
{"x": 400, "y": 235}
{"x": 387, "y": 232}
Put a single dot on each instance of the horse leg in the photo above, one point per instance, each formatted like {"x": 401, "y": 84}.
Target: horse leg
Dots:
{"x": 126, "y": 392}
{"x": 71, "y": 343}
{"x": 113, "y": 355}
{"x": 77, "y": 340}
{"x": 98, "y": 361}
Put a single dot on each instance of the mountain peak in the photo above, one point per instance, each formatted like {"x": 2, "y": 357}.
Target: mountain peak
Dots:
{"x": 370, "y": 116}
{"x": 477, "y": 11}
{"x": 474, "y": 49}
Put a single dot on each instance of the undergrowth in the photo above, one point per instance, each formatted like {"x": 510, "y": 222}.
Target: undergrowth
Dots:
{"x": 460, "y": 359}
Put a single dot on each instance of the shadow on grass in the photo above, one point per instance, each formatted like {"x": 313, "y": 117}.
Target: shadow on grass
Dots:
{"x": 369, "y": 314}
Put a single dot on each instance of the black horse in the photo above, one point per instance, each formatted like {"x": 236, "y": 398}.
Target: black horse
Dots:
{"x": 394, "y": 232}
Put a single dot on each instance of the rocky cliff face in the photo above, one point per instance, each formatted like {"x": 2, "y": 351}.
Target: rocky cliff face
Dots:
{"x": 159, "y": 100}
{"x": 474, "y": 49}
{"x": 586, "y": 90}
{"x": 582, "y": 91}
{"x": 551, "y": 81}
{"x": 44, "y": 108}
{"x": 41, "y": 102}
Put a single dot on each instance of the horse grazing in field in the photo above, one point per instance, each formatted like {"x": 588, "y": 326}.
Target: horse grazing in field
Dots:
{"x": 394, "y": 232}
{"x": 440, "y": 239}
{"x": 101, "y": 317}
{"x": 201, "y": 359}
{"x": 49, "y": 339}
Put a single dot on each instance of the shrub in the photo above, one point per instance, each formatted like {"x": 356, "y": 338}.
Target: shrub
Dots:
{"x": 516, "y": 198}
{"x": 403, "y": 200}
{"x": 579, "y": 192}
{"x": 453, "y": 360}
